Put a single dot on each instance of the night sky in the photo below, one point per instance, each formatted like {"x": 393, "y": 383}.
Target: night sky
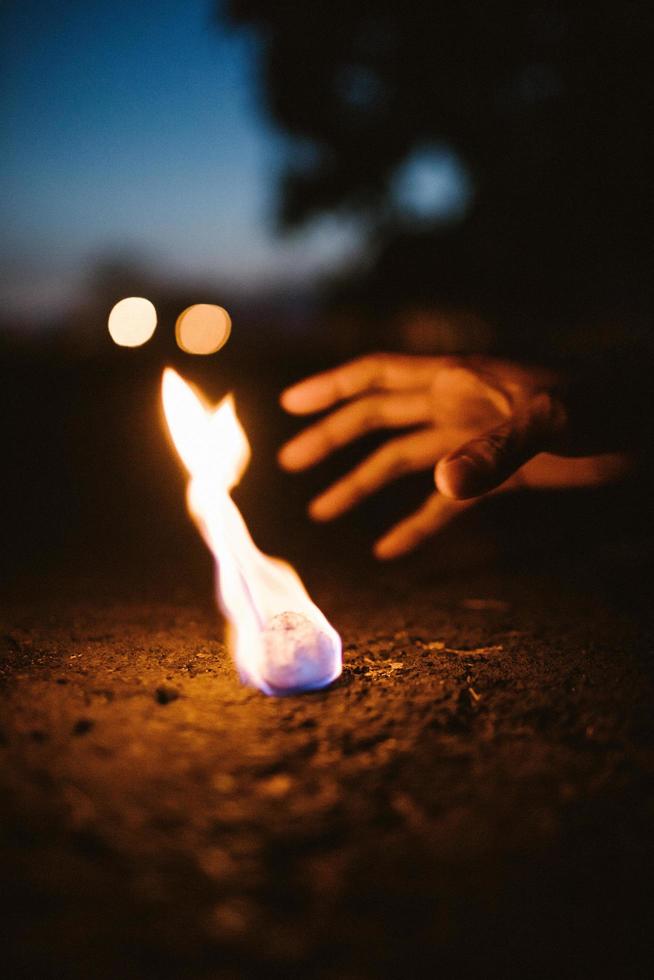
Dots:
{"x": 137, "y": 130}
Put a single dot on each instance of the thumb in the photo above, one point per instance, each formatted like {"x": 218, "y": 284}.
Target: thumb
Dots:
{"x": 485, "y": 462}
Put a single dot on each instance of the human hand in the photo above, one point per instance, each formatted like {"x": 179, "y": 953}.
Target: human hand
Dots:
{"x": 483, "y": 424}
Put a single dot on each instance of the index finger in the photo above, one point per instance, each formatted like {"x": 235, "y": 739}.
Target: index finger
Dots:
{"x": 435, "y": 513}
{"x": 394, "y": 372}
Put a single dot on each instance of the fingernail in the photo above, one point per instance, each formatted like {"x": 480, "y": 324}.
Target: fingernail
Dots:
{"x": 383, "y": 550}
{"x": 320, "y": 510}
{"x": 457, "y": 475}
{"x": 288, "y": 397}
{"x": 285, "y": 457}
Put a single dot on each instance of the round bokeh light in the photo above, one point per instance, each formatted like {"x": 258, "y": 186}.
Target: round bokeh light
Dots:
{"x": 132, "y": 321}
{"x": 203, "y": 328}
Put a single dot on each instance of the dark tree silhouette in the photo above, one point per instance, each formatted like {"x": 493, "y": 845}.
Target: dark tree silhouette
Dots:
{"x": 547, "y": 104}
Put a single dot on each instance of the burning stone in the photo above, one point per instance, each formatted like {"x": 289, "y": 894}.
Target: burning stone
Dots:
{"x": 297, "y": 655}
{"x": 296, "y": 651}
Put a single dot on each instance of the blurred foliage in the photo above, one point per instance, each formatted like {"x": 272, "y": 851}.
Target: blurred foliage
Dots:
{"x": 546, "y": 104}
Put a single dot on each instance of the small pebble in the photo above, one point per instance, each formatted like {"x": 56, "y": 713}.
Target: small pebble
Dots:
{"x": 82, "y": 726}
{"x": 165, "y": 693}
{"x": 297, "y": 654}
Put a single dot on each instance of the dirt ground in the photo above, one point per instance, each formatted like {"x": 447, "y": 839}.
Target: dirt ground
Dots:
{"x": 473, "y": 798}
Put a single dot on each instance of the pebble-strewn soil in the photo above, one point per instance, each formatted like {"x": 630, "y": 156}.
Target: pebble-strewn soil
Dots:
{"x": 472, "y": 797}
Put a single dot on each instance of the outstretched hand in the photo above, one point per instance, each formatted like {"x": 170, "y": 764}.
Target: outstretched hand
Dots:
{"x": 481, "y": 423}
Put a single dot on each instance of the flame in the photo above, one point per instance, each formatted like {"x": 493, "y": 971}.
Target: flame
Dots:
{"x": 279, "y": 639}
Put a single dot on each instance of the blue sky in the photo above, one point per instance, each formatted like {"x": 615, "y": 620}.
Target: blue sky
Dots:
{"x": 134, "y": 126}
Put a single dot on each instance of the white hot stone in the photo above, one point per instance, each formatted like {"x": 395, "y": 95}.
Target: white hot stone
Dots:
{"x": 297, "y": 655}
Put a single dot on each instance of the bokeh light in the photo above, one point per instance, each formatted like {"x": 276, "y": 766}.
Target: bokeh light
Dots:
{"x": 203, "y": 328}
{"x": 132, "y": 321}
{"x": 433, "y": 185}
